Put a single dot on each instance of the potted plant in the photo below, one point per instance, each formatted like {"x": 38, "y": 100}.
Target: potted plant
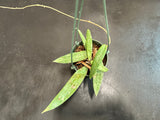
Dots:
{"x": 88, "y": 57}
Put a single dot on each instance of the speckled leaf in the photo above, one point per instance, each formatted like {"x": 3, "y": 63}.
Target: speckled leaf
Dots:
{"x": 102, "y": 68}
{"x": 97, "y": 80}
{"x": 98, "y": 59}
{"x": 82, "y": 37}
{"x": 89, "y": 44}
{"x": 67, "y": 91}
{"x": 77, "y": 56}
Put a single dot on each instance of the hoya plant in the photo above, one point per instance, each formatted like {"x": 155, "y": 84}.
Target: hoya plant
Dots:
{"x": 92, "y": 64}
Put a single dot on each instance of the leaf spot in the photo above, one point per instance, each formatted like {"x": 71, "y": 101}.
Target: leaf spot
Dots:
{"x": 73, "y": 86}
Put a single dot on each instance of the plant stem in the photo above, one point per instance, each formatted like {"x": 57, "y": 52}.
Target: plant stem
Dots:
{"x": 89, "y": 67}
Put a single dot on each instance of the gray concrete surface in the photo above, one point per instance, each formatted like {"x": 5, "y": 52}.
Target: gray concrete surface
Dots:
{"x": 30, "y": 39}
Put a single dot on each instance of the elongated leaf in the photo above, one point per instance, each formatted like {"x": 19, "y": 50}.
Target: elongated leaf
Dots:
{"x": 82, "y": 37}
{"x": 77, "y": 56}
{"x": 67, "y": 91}
{"x": 102, "y": 68}
{"x": 98, "y": 59}
{"x": 89, "y": 44}
{"x": 97, "y": 80}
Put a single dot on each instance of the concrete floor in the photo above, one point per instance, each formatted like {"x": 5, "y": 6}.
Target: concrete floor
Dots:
{"x": 32, "y": 38}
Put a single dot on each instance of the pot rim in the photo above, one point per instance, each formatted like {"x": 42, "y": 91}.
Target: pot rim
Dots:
{"x": 81, "y": 43}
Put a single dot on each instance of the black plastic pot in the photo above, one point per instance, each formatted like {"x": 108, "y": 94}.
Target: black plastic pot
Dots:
{"x": 95, "y": 42}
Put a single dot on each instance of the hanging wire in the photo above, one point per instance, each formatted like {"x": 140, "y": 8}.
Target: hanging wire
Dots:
{"x": 73, "y": 32}
{"x": 81, "y": 8}
{"x": 106, "y": 21}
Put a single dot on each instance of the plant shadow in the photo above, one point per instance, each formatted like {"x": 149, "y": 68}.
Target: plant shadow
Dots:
{"x": 77, "y": 109}
{"x": 110, "y": 110}
{"x": 89, "y": 82}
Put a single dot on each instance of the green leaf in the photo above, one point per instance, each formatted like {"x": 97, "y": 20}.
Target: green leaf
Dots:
{"x": 82, "y": 37}
{"x": 98, "y": 59}
{"x": 97, "y": 80}
{"x": 102, "y": 68}
{"x": 67, "y": 91}
{"x": 77, "y": 56}
{"x": 89, "y": 44}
